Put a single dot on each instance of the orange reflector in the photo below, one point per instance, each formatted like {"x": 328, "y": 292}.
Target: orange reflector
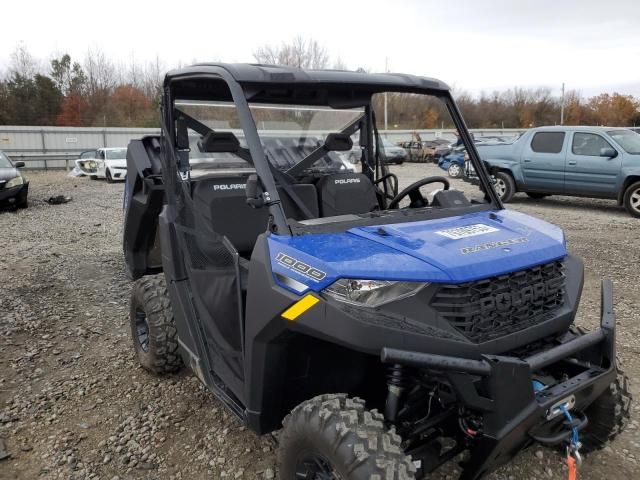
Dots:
{"x": 298, "y": 308}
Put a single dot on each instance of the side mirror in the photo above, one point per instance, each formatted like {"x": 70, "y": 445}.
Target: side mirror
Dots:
{"x": 19, "y": 164}
{"x": 608, "y": 152}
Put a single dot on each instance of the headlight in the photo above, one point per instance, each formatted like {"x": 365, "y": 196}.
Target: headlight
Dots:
{"x": 14, "y": 182}
{"x": 371, "y": 293}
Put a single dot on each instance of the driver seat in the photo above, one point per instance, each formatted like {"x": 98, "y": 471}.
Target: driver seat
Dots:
{"x": 346, "y": 193}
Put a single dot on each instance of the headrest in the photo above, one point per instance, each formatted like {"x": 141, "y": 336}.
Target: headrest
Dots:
{"x": 219, "y": 142}
{"x": 338, "y": 142}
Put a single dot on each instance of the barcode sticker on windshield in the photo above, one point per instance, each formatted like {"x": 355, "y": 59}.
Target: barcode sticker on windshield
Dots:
{"x": 468, "y": 231}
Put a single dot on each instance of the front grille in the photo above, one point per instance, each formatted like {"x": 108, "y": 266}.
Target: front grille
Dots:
{"x": 494, "y": 307}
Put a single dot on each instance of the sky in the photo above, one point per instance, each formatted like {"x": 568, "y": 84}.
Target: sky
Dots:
{"x": 593, "y": 46}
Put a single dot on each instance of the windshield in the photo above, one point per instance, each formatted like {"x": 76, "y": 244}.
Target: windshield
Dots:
{"x": 335, "y": 165}
{"x": 421, "y": 129}
{"x": 116, "y": 154}
{"x": 628, "y": 140}
{"x": 4, "y": 161}
{"x": 196, "y": 115}
{"x": 288, "y": 133}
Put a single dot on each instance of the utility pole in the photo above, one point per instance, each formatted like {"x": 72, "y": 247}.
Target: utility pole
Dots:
{"x": 386, "y": 70}
{"x": 562, "y": 106}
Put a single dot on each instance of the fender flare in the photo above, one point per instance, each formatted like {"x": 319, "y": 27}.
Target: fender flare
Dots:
{"x": 508, "y": 166}
{"x": 628, "y": 180}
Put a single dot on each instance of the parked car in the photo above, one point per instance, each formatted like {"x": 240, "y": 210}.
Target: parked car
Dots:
{"x": 454, "y": 162}
{"x": 393, "y": 153}
{"x": 597, "y": 162}
{"x": 421, "y": 150}
{"x": 14, "y": 187}
{"x": 109, "y": 163}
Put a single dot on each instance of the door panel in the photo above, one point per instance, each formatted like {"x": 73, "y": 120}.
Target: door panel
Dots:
{"x": 543, "y": 162}
{"x": 211, "y": 265}
{"x": 587, "y": 172}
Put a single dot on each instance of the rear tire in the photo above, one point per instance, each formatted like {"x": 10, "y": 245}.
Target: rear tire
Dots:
{"x": 337, "y": 437}
{"x": 608, "y": 415}
{"x": 153, "y": 329}
{"x": 505, "y": 186}
{"x": 537, "y": 196}
{"x": 632, "y": 200}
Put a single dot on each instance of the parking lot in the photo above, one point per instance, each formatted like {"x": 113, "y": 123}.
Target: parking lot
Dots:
{"x": 74, "y": 402}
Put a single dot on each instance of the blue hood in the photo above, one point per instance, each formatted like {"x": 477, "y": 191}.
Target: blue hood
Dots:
{"x": 449, "y": 250}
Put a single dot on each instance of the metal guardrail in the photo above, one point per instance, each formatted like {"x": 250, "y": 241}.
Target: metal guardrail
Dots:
{"x": 55, "y": 148}
{"x": 46, "y": 162}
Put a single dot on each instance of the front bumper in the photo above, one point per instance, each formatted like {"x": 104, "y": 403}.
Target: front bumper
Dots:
{"x": 515, "y": 416}
{"x": 11, "y": 195}
{"x": 118, "y": 173}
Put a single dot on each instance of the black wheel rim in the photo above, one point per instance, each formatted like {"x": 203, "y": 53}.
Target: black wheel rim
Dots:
{"x": 313, "y": 466}
{"x": 142, "y": 330}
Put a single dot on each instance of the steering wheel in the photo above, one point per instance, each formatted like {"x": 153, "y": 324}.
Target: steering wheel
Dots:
{"x": 413, "y": 190}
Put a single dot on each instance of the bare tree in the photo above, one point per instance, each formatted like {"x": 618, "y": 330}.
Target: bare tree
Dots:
{"x": 100, "y": 71}
{"x": 152, "y": 76}
{"x": 22, "y": 62}
{"x": 300, "y": 52}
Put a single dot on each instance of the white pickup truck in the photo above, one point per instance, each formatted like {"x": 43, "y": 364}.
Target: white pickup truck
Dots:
{"x": 109, "y": 163}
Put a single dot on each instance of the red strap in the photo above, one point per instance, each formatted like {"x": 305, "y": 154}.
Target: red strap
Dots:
{"x": 573, "y": 470}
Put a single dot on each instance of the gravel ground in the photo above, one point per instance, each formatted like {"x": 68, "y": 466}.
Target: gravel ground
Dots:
{"x": 75, "y": 404}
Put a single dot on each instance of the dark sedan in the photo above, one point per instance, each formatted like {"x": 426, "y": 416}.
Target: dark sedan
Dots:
{"x": 14, "y": 187}
{"x": 393, "y": 153}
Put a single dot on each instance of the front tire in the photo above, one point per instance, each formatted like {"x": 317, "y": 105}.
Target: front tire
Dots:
{"x": 505, "y": 186}
{"x": 108, "y": 176}
{"x": 455, "y": 171}
{"x": 608, "y": 415}
{"x": 153, "y": 329}
{"x": 632, "y": 199}
{"x": 336, "y": 437}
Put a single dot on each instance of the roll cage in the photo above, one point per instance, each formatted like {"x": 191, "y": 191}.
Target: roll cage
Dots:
{"x": 241, "y": 83}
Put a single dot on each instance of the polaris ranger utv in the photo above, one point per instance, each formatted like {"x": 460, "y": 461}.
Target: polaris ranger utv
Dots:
{"x": 385, "y": 332}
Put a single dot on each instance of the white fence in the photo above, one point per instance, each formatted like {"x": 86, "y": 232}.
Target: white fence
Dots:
{"x": 57, "y": 147}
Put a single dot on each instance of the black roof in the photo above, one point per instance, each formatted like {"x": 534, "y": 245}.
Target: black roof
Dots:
{"x": 264, "y": 75}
